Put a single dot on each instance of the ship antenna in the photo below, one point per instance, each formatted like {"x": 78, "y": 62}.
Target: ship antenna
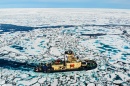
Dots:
{"x": 64, "y": 58}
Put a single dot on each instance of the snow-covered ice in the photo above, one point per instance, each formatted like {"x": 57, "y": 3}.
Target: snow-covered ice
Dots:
{"x": 45, "y": 34}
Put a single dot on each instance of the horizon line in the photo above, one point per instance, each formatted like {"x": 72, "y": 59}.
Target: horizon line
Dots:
{"x": 59, "y": 8}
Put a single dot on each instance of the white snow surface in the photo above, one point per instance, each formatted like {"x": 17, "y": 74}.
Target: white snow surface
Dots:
{"x": 110, "y": 51}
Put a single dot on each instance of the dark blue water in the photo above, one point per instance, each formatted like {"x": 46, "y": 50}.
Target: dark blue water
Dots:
{"x": 14, "y": 28}
{"x": 18, "y": 47}
{"x": 16, "y": 65}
